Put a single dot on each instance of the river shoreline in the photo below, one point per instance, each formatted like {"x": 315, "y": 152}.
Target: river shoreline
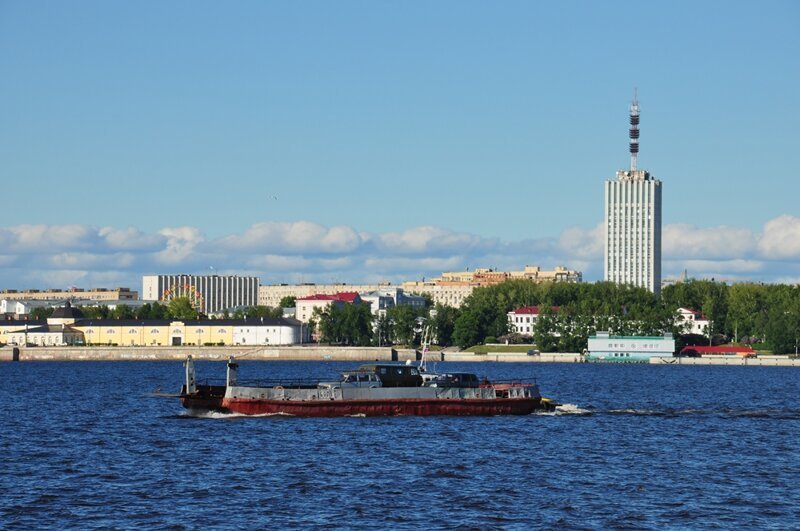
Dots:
{"x": 327, "y": 353}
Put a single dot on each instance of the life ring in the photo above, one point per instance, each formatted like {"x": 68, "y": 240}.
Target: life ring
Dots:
{"x": 278, "y": 387}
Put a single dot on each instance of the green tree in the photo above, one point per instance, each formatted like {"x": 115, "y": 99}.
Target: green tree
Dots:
{"x": 404, "y": 323}
{"x": 181, "y": 308}
{"x": 288, "y": 302}
{"x": 545, "y": 331}
{"x": 95, "y": 312}
{"x": 350, "y": 324}
{"x": 466, "y": 331}
{"x": 41, "y": 313}
{"x": 384, "y": 331}
{"x": 122, "y": 311}
{"x": 443, "y": 324}
{"x": 254, "y": 312}
{"x": 745, "y": 302}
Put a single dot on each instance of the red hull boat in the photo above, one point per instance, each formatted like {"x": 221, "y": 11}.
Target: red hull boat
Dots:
{"x": 372, "y": 390}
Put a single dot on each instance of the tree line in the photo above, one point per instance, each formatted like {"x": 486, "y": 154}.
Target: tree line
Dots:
{"x": 749, "y": 313}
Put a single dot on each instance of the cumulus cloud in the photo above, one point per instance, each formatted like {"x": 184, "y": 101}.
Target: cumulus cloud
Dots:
{"x": 46, "y": 238}
{"x": 583, "y": 243}
{"x": 59, "y": 256}
{"x": 688, "y": 241}
{"x": 180, "y": 244}
{"x": 85, "y": 261}
{"x": 430, "y": 240}
{"x": 300, "y": 236}
{"x": 781, "y": 238}
{"x": 130, "y": 239}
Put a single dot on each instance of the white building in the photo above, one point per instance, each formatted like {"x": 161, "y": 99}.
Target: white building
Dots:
{"x": 208, "y": 293}
{"x": 692, "y": 322}
{"x": 304, "y": 307}
{"x": 383, "y": 299}
{"x": 379, "y": 302}
{"x": 629, "y": 349}
{"x": 270, "y": 331}
{"x": 633, "y": 222}
{"x": 523, "y": 320}
{"x": 272, "y": 294}
{"x": 21, "y": 307}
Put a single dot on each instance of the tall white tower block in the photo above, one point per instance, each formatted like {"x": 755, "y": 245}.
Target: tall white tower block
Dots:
{"x": 633, "y": 221}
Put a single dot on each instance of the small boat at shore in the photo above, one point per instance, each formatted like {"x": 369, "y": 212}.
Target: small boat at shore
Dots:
{"x": 374, "y": 389}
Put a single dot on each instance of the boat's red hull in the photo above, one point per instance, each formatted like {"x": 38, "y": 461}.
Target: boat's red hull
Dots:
{"x": 375, "y": 408}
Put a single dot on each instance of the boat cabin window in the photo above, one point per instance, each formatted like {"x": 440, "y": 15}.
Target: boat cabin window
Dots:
{"x": 394, "y": 375}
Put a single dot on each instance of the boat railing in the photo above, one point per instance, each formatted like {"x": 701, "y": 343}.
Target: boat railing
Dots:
{"x": 516, "y": 382}
{"x": 286, "y": 383}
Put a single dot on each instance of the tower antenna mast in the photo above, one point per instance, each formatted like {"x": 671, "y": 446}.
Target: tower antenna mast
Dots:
{"x": 634, "y": 131}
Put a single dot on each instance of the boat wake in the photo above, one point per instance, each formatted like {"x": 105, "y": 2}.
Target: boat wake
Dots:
{"x": 728, "y": 413}
{"x": 725, "y": 413}
{"x": 218, "y": 415}
{"x": 565, "y": 409}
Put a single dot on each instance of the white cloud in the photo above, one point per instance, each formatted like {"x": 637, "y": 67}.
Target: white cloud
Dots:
{"x": 688, "y": 241}
{"x": 301, "y": 236}
{"x": 59, "y": 256}
{"x": 46, "y": 238}
{"x": 90, "y": 261}
{"x": 582, "y": 243}
{"x": 130, "y": 239}
{"x": 781, "y": 238}
{"x": 430, "y": 240}
{"x": 180, "y": 244}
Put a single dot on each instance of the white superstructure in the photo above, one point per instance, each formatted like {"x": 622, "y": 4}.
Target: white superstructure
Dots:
{"x": 633, "y": 222}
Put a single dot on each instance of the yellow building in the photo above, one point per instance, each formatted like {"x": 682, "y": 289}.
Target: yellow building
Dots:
{"x": 453, "y": 287}
{"x": 66, "y": 327}
{"x": 94, "y": 294}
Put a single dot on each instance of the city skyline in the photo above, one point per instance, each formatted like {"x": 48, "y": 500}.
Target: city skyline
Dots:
{"x": 358, "y": 143}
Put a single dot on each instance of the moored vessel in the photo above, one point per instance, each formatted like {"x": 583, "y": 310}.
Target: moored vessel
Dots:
{"x": 374, "y": 389}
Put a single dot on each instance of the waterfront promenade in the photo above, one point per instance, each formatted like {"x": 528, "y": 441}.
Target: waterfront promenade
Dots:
{"x": 327, "y": 353}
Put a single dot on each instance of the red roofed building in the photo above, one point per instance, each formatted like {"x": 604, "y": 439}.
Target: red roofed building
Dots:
{"x": 304, "y": 307}
{"x": 522, "y": 320}
{"x": 721, "y": 350}
{"x": 692, "y": 322}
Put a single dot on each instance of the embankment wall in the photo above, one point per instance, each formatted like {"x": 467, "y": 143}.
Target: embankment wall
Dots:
{"x": 201, "y": 353}
{"x": 768, "y": 361}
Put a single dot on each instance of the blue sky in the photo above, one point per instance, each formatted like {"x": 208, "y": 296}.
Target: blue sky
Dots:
{"x": 361, "y": 141}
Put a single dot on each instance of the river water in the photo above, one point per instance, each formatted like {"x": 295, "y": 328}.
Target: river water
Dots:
{"x": 634, "y": 446}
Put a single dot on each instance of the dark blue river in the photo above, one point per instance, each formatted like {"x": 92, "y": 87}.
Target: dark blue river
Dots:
{"x": 634, "y": 446}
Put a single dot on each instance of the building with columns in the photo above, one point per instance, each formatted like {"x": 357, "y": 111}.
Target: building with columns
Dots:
{"x": 208, "y": 293}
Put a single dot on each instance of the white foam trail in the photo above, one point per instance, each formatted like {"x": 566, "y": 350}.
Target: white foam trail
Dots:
{"x": 564, "y": 409}
{"x": 227, "y": 416}
{"x": 571, "y": 409}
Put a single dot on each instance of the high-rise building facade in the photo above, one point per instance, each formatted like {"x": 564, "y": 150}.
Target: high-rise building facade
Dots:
{"x": 633, "y": 221}
{"x": 208, "y": 293}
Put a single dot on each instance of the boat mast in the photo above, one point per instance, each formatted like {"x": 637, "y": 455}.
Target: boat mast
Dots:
{"x": 425, "y": 343}
{"x": 191, "y": 386}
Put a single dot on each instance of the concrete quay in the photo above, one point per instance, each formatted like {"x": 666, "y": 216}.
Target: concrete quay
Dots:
{"x": 306, "y": 353}
{"x": 760, "y": 361}
{"x": 517, "y": 357}
{"x": 327, "y": 353}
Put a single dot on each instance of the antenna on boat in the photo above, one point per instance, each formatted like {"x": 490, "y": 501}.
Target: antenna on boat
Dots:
{"x": 426, "y": 340}
{"x": 191, "y": 382}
